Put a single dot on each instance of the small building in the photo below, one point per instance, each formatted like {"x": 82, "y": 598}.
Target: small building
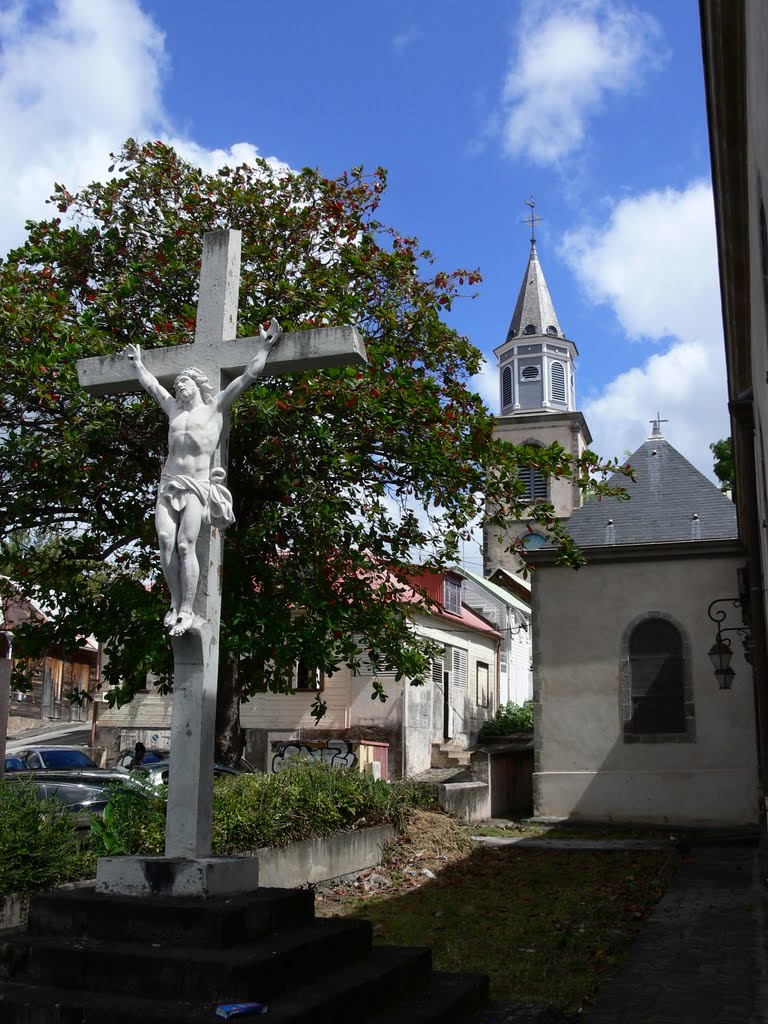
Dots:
{"x": 510, "y": 614}
{"x": 630, "y": 724}
{"x": 52, "y": 677}
{"x": 448, "y": 707}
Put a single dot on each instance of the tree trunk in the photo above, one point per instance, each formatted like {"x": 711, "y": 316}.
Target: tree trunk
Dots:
{"x": 229, "y": 735}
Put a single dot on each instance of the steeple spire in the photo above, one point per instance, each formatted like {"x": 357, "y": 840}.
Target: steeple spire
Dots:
{"x": 534, "y": 312}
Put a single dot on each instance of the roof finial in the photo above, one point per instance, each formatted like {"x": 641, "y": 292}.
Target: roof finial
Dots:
{"x": 531, "y": 219}
{"x": 656, "y": 424}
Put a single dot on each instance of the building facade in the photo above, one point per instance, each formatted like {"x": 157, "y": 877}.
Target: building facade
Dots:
{"x": 537, "y": 398}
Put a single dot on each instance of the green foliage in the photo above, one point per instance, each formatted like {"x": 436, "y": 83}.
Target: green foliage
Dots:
{"x": 305, "y": 800}
{"x": 318, "y": 462}
{"x": 132, "y": 823}
{"x": 510, "y": 718}
{"x": 39, "y": 843}
{"x": 723, "y": 453}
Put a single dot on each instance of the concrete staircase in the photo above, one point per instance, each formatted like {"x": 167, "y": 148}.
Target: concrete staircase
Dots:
{"x": 89, "y": 958}
{"x": 449, "y": 755}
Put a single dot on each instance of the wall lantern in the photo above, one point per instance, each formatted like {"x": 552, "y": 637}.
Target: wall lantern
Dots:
{"x": 720, "y": 653}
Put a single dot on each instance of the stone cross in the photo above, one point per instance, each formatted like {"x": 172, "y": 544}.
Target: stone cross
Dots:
{"x": 222, "y": 357}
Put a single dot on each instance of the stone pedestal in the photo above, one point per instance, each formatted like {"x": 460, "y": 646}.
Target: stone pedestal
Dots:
{"x": 200, "y": 877}
{"x": 91, "y": 958}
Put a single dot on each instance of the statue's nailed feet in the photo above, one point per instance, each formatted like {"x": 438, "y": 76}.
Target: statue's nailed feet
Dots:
{"x": 170, "y": 617}
{"x": 183, "y": 623}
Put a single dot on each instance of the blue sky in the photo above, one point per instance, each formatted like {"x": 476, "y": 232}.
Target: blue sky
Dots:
{"x": 596, "y": 107}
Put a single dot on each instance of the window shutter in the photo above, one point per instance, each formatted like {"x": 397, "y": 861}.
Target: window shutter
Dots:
{"x": 459, "y": 668}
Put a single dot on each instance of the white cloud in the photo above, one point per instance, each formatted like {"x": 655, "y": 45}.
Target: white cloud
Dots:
{"x": 486, "y": 384}
{"x": 402, "y": 41}
{"x": 655, "y": 264}
{"x": 569, "y": 56}
{"x": 78, "y": 77}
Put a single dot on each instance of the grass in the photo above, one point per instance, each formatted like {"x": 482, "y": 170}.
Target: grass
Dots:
{"x": 548, "y": 926}
{"x": 542, "y": 830}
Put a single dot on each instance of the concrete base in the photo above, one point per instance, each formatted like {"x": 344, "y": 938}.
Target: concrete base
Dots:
{"x": 176, "y": 876}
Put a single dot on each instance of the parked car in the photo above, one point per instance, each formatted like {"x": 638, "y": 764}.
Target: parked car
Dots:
{"x": 151, "y": 756}
{"x": 13, "y": 764}
{"x": 157, "y": 773}
{"x": 55, "y": 757}
{"x": 86, "y": 791}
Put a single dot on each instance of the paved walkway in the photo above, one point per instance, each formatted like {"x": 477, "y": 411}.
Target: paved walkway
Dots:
{"x": 702, "y": 957}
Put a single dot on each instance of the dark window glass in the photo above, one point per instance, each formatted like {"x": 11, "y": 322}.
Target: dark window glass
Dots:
{"x": 306, "y": 678}
{"x": 656, "y": 671}
{"x": 529, "y": 329}
{"x": 67, "y": 759}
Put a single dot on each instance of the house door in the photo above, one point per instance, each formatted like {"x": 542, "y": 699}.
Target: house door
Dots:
{"x": 447, "y": 709}
{"x": 50, "y": 668}
{"x": 439, "y": 700}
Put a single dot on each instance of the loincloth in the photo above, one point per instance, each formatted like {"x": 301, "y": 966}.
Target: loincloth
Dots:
{"x": 212, "y": 495}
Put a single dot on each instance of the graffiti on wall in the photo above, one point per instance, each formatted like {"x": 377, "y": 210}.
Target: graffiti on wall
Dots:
{"x": 337, "y": 753}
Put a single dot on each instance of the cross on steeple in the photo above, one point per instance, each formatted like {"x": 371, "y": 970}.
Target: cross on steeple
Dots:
{"x": 531, "y": 219}
{"x": 656, "y": 425}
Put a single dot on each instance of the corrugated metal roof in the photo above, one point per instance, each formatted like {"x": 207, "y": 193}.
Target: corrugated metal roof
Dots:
{"x": 495, "y": 589}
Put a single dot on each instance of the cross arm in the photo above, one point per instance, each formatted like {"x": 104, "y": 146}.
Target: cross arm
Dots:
{"x": 295, "y": 352}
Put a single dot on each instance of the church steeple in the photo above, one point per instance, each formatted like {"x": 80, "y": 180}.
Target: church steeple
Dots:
{"x": 538, "y": 407}
{"x": 536, "y": 360}
{"x": 534, "y": 312}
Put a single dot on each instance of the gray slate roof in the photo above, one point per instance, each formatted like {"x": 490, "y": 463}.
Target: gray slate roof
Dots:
{"x": 668, "y": 493}
{"x": 534, "y": 303}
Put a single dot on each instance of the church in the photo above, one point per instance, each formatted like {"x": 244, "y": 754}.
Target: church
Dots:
{"x": 631, "y": 722}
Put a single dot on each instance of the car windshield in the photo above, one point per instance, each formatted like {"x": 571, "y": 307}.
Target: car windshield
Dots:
{"x": 67, "y": 759}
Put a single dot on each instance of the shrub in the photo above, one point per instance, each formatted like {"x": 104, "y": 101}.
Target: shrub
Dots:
{"x": 39, "y": 842}
{"x": 305, "y": 800}
{"x": 509, "y": 719}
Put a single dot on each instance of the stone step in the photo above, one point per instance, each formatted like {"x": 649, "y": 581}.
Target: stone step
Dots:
{"x": 354, "y": 989}
{"x": 216, "y": 922}
{"x": 445, "y": 999}
{"x": 253, "y": 971}
{"x": 446, "y": 755}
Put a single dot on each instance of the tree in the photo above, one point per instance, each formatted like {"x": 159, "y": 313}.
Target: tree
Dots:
{"x": 326, "y": 468}
{"x": 723, "y": 452}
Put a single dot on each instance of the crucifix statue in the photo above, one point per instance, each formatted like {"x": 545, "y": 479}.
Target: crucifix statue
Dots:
{"x": 192, "y": 493}
{"x": 194, "y": 506}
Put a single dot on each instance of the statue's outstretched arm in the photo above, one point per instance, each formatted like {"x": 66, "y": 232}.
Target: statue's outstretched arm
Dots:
{"x": 254, "y": 368}
{"x": 148, "y": 381}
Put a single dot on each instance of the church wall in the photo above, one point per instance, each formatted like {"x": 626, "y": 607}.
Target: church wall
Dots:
{"x": 585, "y": 769}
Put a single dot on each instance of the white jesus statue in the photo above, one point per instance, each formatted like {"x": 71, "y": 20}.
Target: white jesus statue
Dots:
{"x": 192, "y": 493}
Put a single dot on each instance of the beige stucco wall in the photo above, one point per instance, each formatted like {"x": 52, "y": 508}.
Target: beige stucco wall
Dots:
{"x": 584, "y": 767}
{"x": 562, "y": 428}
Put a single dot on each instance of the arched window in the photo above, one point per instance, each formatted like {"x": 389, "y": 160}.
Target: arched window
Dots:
{"x": 534, "y": 482}
{"x": 552, "y": 330}
{"x": 557, "y": 382}
{"x": 506, "y": 386}
{"x": 533, "y": 541}
{"x": 530, "y": 329}
{"x": 657, "y": 680}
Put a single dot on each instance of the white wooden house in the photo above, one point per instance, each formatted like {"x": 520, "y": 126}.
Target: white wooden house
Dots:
{"x": 460, "y": 693}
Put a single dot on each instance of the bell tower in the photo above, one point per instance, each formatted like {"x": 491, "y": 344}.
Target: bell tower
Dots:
{"x": 537, "y": 398}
